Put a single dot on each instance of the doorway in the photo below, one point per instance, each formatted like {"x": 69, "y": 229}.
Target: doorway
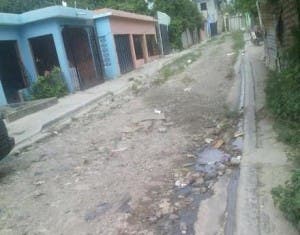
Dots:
{"x": 12, "y": 73}
{"x": 44, "y": 53}
{"x": 83, "y": 56}
{"x": 122, "y": 43}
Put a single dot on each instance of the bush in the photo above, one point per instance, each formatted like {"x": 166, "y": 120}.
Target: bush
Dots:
{"x": 283, "y": 99}
{"x": 50, "y": 85}
{"x": 288, "y": 198}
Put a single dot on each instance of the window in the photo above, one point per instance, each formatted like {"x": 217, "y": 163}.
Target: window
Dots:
{"x": 203, "y": 6}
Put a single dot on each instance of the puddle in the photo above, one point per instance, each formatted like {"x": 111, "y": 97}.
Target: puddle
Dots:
{"x": 209, "y": 159}
{"x": 237, "y": 144}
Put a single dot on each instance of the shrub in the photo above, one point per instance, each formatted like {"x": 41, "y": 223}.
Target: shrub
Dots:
{"x": 49, "y": 85}
{"x": 288, "y": 198}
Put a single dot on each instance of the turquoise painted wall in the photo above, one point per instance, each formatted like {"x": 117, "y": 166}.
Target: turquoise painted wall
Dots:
{"x": 51, "y": 21}
{"x": 2, "y": 96}
{"x": 107, "y": 46}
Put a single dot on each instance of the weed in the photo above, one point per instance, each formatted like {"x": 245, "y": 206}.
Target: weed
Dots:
{"x": 177, "y": 66}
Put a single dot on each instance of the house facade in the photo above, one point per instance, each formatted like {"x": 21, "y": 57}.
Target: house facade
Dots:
{"x": 87, "y": 46}
{"x": 133, "y": 36}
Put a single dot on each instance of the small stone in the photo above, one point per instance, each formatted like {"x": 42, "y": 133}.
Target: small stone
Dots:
{"x": 190, "y": 156}
{"x": 162, "y": 130}
{"x": 183, "y": 228}
{"x": 235, "y": 161}
{"x": 37, "y": 194}
{"x": 188, "y": 165}
{"x": 208, "y": 140}
{"x": 38, "y": 183}
{"x": 85, "y": 162}
{"x": 228, "y": 171}
{"x": 220, "y": 173}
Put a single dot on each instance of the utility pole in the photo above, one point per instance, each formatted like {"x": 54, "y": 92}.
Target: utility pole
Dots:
{"x": 259, "y": 14}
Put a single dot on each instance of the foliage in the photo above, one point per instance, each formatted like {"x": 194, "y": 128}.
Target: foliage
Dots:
{"x": 283, "y": 99}
{"x": 19, "y": 6}
{"x": 238, "y": 41}
{"x": 288, "y": 198}
{"x": 184, "y": 15}
{"x": 50, "y": 85}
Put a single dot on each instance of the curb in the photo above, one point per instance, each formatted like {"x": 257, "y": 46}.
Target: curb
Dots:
{"x": 247, "y": 201}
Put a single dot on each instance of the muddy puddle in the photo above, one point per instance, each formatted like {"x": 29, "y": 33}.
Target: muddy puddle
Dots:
{"x": 210, "y": 163}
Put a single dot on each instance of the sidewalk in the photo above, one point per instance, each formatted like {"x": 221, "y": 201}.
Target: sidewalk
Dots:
{"x": 26, "y": 130}
{"x": 264, "y": 164}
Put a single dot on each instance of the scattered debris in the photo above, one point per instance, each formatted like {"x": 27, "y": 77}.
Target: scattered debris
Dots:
{"x": 38, "y": 183}
{"x": 235, "y": 161}
{"x": 180, "y": 184}
{"x": 238, "y": 134}
{"x": 183, "y": 228}
{"x": 188, "y": 165}
{"x": 162, "y": 129}
{"x": 190, "y": 155}
{"x": 230, "y": 54}
{"x": 119, "y": 150}
{"x": 209, "y": 140}
{"x": 218, "y": 143}
{"x": 37, "y": 194}
{"x": 157, "y": 111}
{"x": 188, "y": 89}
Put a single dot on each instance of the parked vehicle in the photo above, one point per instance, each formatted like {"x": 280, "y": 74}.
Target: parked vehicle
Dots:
{"x": 6, "y": 143}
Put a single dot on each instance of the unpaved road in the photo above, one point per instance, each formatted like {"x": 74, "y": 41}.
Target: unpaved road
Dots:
{"x": 124, "y": 169}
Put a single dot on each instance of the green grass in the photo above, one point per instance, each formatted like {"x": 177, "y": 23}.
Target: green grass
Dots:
{"x": 238, "y": 41}
{"x": 177, "y": 66}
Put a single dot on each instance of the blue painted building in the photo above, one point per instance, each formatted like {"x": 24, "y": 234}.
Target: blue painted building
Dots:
{"x": 87, "y": 47}
{"x": 32, "y": 43}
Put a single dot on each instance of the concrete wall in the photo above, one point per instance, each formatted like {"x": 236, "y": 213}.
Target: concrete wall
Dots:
{"x": 130, "y": 26}
{"x": 107, "y": 47}
{"x": 121, "y": 25}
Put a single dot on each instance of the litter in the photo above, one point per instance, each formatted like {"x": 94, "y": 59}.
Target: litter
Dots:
{"x": 188, "y": 89}
{"x": 230, "y": 54}
{"x": 157, "y": 111}
{"x": 208, "y": 140}
{"x": 218, "y": 144}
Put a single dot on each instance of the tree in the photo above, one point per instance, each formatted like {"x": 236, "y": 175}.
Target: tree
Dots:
{"x": 184, "y": 15}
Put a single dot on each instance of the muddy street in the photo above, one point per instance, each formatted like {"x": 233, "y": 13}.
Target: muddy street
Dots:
{"x": 157, "y": 159}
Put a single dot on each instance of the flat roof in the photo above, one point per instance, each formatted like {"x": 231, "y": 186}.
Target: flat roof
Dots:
{"x": 44, "y": 13}
{"x": 123, "y": 14}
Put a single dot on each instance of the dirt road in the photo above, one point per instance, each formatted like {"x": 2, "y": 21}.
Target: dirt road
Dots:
{"x": 134, "y": 164}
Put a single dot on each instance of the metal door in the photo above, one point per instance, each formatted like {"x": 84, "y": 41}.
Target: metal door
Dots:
{"x": 124, "y": 53}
